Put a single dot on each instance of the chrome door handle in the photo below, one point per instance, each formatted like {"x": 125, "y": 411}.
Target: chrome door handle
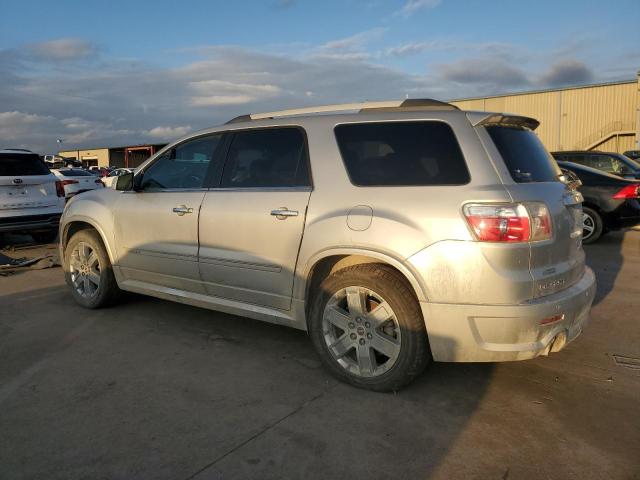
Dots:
{"x": 283, "y": 212}
{"x": 182, "y": 209}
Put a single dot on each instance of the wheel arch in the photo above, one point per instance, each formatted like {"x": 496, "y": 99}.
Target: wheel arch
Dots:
{"x": 79, "y": 223}
{"x": 324, "y": 264}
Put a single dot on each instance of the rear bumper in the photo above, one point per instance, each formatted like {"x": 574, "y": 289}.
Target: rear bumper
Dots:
{"x": 30, "y": 222}
{"x": 491, "y": 333}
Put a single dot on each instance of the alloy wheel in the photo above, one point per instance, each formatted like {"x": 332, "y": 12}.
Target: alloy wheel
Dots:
{"x": 588, "y": 226}
{"x": 361, "y": 331}
{"x": 84, "y": 267}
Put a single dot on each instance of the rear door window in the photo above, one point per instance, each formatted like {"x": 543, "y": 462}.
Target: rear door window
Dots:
{"x": 21, "y": 164}
{"x": 524, "y": 154}
{"x": 401, "y": 154}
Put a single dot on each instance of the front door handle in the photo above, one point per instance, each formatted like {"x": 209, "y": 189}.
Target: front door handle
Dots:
{"x": 283, "y": 212}
{"x": 182, "y": 209}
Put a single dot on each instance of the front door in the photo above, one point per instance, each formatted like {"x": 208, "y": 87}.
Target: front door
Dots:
{"x": 157, "y": 226}
{"x": 251, "y": 226}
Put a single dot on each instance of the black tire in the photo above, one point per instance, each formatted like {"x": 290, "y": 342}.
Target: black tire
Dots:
{"x": 414, "y": 354}
{"x": 46, "y": 236}
{"x": 107, "y": 293}
{"x": 596, "y": 222}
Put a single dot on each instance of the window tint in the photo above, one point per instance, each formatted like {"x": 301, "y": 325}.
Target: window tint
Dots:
{"x": 607, "y": 163}
{"x": 75, "y": 173}
{"x": 524, "y": 155}
{"x": 184, "y": 166}
{"x": 401, "y": 153}
{"x": 12, "y": 164}
{"x": 274, "y": 157}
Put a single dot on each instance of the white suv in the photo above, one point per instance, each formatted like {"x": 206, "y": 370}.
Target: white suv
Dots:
{"x": 31, "y": 197}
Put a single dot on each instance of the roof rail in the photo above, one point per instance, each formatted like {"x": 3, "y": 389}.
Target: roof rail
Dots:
{"x": 411, "y": 104}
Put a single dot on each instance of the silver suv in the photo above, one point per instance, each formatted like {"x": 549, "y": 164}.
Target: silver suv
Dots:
{"x": 393, "y": 232}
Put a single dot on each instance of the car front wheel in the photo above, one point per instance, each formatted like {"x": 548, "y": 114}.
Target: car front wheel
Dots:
{"x": 367, "y": 327}
{"x": 88, "y": 271}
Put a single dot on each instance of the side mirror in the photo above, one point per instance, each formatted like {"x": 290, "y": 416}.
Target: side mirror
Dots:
{"x": 125, "y": 182}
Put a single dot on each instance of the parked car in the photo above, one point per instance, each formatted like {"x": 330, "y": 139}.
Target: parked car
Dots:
{"x": 609, "y": 162}
{"x": 404, "y": 232}
{"x": 75, "y": 181}
{"x": 31, "y": 198}
{"x": 112, "y": 177}
{"x": 610, "y": 202}
{"x": 632, "y": 154}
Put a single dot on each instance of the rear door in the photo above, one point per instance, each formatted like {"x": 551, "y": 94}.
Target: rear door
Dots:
{"x": 27, "y": 187}
{"x": 251, "y": 225}
{"x": 532, "y": 176}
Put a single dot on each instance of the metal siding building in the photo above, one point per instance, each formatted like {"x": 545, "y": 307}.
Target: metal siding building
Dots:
{"x": 591, "y": 117}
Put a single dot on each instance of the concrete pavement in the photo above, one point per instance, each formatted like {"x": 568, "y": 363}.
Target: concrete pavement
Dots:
{"x": 153, "y": 389}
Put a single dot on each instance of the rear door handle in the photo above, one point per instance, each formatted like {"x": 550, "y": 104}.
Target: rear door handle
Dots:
{"x": 283, "y": 212}
{"x": 182, "y": 209}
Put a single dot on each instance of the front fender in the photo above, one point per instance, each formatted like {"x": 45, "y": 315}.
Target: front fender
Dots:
{"x": 95, "y": 210}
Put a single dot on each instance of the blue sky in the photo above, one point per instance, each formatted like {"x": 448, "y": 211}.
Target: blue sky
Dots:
{"x": 116, "y": 72}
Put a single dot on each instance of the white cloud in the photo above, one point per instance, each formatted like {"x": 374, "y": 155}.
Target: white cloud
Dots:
{"x": 413, "y": 6}
{"x": 167, "y": 133}
{"x": 355, "y": 41}
{"x": 63, "y": 49}
{"x": 221, "y": 92}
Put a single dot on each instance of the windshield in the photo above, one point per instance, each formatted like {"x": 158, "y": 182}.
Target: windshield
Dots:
{"x": 524, "y": 154}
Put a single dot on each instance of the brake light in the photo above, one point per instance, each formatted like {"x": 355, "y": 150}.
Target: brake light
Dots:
{"x": 59, "y": 188}
{"x": 509, "y": 222}
{"x": 69, "y": 182}
{"x": 630, "y": 191}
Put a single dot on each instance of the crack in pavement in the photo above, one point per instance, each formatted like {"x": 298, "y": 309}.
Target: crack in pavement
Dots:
{"x": 260, "y": 433}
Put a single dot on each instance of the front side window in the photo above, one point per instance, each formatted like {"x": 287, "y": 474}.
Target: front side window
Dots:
{"x": 272, "y": 157}
{"x": 184, "y": 166}
{"x": 401, "y": 154}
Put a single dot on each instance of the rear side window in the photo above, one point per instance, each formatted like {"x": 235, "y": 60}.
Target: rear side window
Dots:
{"x": 401, "y": 154}
{"x": 12, "y": 165}
{"x": 272, "y": 157}
{"x": 524, "y": 155}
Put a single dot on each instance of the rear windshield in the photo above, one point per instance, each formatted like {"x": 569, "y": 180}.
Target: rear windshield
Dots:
{"x": 75, "y": 173}
{"x": 21, "y": 164}
{"x": 401, "y": 154}
{"x": 524, "y": 155}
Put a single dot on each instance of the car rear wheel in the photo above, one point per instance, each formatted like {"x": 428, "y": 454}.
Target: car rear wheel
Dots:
{"x": 88, "y": 271}
{"x": 367, "y": 327}
{"x": 591, "y": 225}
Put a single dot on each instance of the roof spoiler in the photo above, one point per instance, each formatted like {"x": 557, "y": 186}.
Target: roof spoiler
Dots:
{"x": 507, "y": 120}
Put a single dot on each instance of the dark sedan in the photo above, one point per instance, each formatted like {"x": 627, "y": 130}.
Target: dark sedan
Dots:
{"x": 610, "y": 202}
{"x": 609, "y": 162}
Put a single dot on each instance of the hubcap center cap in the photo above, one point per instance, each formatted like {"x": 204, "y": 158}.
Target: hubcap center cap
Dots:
{"x": 360, "y": 330}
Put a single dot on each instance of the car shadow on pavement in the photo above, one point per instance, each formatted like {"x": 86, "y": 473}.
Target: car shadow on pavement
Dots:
{"x": 152, "y": 389}
{"x": 605, "y": 257}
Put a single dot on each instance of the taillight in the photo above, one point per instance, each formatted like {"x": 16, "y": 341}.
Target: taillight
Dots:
{"x": 630, "y": 191}
{"x": 69, "y": 182}
{"x": 509, "y": 222}
{"x": 59, "y": 188}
